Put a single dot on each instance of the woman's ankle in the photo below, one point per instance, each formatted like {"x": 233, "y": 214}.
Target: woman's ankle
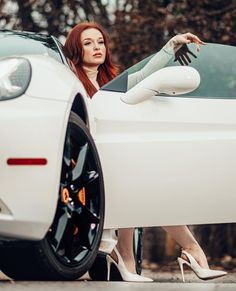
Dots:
{"x": 127, "y": 258}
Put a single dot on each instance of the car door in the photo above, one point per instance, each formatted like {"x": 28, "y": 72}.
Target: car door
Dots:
{"x": 171, "y": 159}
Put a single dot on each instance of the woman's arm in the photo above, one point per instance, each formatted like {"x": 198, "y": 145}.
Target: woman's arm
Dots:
{"x": 158, "y": 61}
{"x": 161, "y": 58}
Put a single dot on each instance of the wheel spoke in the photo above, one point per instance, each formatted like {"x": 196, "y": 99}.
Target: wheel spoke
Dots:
{"x": 61, "y": 227}
{"x": 79, "y": 167}
{"x": 66, "y": 162}
{"x": 69, "y": 240}
{"x": 90, "y": 176}
{"x": 83, "y": 220}
{"x": 67, "y": 152}
{"x": 90, "y": 216}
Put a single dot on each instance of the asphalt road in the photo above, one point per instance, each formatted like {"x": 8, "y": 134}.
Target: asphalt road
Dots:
{"x": 115, "y": 286}
{"x": 163, "y": 281}
{"x": 190, "y": 277}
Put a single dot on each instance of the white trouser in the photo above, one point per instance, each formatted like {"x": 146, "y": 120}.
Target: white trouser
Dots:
{"x": 108, "y": 241}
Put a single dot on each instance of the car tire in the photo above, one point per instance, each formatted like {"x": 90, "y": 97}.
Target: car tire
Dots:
{"x": 71, "y": 243}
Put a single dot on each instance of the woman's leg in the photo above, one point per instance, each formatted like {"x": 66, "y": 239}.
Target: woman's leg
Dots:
{"x": 182, "y": 235}
{"x": 123, "y": 254}
{"x": 125, "y": 248}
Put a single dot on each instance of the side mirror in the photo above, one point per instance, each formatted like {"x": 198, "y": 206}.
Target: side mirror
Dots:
{"x": 169, "y": 80}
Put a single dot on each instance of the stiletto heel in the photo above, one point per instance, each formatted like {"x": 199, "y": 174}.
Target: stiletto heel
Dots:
{"x": 181, "y": 262}
{"x": 125, "y": 274}
{"x": 108, "y": 259}
{"x": 202, "y": 273}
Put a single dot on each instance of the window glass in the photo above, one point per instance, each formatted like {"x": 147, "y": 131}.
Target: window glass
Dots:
{"x": 20, "y": 43}
{"x": 216, "y": 65}
{"x": 137, "y": 67}
{"x": 120, "y": 83}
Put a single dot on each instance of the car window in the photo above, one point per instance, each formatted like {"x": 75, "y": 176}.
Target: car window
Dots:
{"x": 215, "y": 63}
{"x": 120, "y": 83}
{"x": 20, "y": 43}
{"x": 137, "y": 67}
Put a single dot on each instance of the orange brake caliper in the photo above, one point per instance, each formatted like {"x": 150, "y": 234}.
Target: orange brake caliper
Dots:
{"x": 65, "y": 195}
{"x": 81, "y": 196}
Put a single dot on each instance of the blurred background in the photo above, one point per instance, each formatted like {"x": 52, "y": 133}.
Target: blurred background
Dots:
{"x": 138, "y": 28}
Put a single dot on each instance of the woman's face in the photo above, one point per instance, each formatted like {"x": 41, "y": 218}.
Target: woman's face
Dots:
{"x": 94, "y": 50}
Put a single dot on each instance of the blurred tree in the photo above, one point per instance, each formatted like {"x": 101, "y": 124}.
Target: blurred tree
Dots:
{"x": 141, "y": 27}
{"x": 54, "y": 16}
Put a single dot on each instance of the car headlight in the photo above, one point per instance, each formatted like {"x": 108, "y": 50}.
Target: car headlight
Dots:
{"x": 15, "y": 75}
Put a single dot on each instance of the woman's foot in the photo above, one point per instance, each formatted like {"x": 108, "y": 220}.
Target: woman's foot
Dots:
{"x": 201, "y": 272}
{"x": 126, "y": 274}
{"x": 128, "y": 259}
{"x": 198, "y": 255}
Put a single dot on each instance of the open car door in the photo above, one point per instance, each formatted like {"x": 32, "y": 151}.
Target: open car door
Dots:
{"x": 170, "y": 159}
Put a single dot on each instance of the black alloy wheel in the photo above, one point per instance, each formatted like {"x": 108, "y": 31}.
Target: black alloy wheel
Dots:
{"x": 70, "y": 246}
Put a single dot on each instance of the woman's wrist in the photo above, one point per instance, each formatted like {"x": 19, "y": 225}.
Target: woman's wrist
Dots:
{"x": 173, "y": 45}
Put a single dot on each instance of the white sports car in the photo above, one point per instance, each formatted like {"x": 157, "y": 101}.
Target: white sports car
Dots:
{"x": 160, "y": 153}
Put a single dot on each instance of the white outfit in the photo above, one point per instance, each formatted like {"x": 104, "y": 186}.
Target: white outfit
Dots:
{"x": 157, "y": 62}
{"x": 92, "y": 75}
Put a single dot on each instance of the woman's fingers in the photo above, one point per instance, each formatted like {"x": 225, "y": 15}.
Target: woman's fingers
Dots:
{"x": 193, "y": 38}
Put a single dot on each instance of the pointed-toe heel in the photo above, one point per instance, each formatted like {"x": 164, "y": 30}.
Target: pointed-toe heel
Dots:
{"x": 125, "y": 274}
{"x": 202, "y": 273}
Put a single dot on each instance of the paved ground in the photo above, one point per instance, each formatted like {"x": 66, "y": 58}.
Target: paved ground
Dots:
{"x": 190, "y": 277}
{"x": 114, "y": 286}
{"x": 84, "y": 285}
{"x": 169, "y": 277}
{"x": 163, "y": 281}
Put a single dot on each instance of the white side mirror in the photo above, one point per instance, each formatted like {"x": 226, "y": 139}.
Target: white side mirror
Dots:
{"x": 169, "y": 80}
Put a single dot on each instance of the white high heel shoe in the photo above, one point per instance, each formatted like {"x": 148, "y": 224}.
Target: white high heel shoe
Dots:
{"x": 202, "y": 273}
{"x": 125, "y": 274}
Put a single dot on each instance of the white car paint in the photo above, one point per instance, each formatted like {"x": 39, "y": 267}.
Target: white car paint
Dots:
{"x": 29, "y": 193}
{"x": 168, "y": 80}
{"x": 167, "y": 160}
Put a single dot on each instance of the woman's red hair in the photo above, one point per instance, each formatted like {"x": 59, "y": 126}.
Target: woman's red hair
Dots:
{"x": 74, "y": 51}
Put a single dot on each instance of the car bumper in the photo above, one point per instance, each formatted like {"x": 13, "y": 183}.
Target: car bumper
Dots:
{"x": 30, "y": 128}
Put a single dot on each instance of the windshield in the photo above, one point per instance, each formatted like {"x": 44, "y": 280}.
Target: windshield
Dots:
{"x": 22, "y": 43}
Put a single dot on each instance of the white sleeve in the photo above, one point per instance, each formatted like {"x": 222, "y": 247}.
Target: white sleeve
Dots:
{"x": 157, "y": 62}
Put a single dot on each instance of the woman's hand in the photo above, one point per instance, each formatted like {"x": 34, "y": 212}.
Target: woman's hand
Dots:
{"x": 181, "y": 50}
{"x": 179, "y": 40}
{"x": 186, "y": 38}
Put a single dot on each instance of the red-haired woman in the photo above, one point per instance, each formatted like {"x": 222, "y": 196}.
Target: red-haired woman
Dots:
{"x": 94, "y": 66}
{"x": 87, "y": 48}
